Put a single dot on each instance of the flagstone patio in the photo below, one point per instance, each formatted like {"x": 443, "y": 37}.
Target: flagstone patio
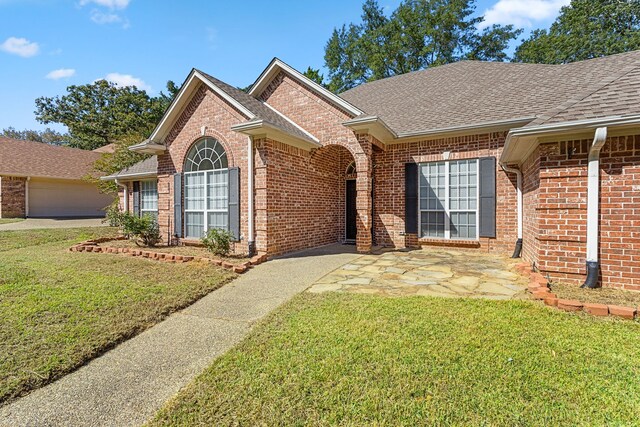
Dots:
{"x": 434, "y": 272}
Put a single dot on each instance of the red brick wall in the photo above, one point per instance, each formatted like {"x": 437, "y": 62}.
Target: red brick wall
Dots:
{"x": 530, "y": 192}
{"x": 300, "y": 196}
{"x": 12, "y": 197}
{"x": 209, "y": 110}
{"x": 389, "y": 188}
{"x": 562, "y": 211}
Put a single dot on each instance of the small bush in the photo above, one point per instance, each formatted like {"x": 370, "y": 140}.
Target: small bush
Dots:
{"x": 218, "y": 241}
{"x": 144, "y": 230}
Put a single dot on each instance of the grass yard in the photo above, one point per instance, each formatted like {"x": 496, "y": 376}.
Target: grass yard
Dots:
{"x": 10, "y": 220}
{"x": 58, "y": 309}
{"x": 344, "y": 359}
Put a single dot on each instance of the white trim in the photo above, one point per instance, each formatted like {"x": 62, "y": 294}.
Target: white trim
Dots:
{"x": 206, "y": 210}
{"x": 276, "y": 65}
{"x": 131, "y": 175}
{"x": 142, "y": 192}
{"x": 593, "y": 193}
{"x": 260, "y": 128}
{"x": 126, "y": 194}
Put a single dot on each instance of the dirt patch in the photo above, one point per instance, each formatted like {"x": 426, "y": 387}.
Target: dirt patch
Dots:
{"x": 600, "y": 295}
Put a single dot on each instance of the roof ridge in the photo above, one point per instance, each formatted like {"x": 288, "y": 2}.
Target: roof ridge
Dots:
{"x": 49, "y": 146}
{"x": 581, "y": 96}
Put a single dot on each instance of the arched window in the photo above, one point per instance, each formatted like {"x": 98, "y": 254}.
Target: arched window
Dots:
{"x": 350, "y": 172}
{"x": 206, "y": 188}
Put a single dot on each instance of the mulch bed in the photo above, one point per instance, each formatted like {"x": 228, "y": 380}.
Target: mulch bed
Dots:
{"x": 174, "y": 254}
{"x": 597, "y": 302}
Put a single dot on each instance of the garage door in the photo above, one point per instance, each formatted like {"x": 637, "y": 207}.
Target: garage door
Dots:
{"x": 52, "y": 198}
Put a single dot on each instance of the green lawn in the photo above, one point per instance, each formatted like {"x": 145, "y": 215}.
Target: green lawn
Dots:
{"x": 344, "y": 359}
{"x": 10, "y": 220}
{"x": 59, "y": 309}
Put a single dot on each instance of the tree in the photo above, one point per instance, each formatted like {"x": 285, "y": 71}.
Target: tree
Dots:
{"x": 417, "y": 35}
{"x": 102, "y": 113}
{"x": 585, "y": 29}
{"x": 121, "y": 158}
{"x": 314, "y": 74}
{"x": 47, "y": 136}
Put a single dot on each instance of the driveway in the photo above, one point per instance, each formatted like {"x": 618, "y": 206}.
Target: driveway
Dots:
{"x": 433, "y": 272}
{"x": 35, "y": 223}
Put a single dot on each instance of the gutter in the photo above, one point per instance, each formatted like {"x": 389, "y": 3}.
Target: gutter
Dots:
{"x": 26, "y": 197}
{"x": 126, "y": 194}
{"x": 250, "y": 172}
{"x": 593, "y": 206}
{"x": 518, "y": 248}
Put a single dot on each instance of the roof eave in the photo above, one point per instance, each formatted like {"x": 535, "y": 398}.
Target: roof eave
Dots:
{"x": 516, "y": 150}
{"x": 148, "y": 147}
{"x": 372, "y": 125}
{"x": 129, "y": 176}
{"x": 260, "y": 128}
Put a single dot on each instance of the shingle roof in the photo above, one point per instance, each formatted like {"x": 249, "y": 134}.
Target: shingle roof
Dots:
{"x": 35, "y": 159}
{"x": 470, "y": 92}
{"x": 147, "y": 166}
{"x": 259, "y": 109}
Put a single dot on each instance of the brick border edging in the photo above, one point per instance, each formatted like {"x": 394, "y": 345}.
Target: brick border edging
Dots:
{"x": 539, "y": 289}
{"x": 92, "y": 246}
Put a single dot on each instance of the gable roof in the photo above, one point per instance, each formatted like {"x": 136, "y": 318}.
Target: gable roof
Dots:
{"x": 36, "y": 159}
{"x": 476, "y": 93}
{"x": 276, "y": 66}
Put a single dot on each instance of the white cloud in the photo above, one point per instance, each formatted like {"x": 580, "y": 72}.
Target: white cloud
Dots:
{"x": 127, "y": 80}
{"x": 62, "y": 73}
{"x": 105, "y": 18}
{"x": 20, "y": 46}
{"x": 522, "y": 13}
{"x": 111, "y": 4}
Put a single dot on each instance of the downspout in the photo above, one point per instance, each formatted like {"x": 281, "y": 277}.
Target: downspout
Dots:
{"x": 126, "y": 194}
{"x": 250, "y": 172}
{"x": 26, "y": 197}
{"x": 593, "y": 206}
{"x": 518, "y": 172}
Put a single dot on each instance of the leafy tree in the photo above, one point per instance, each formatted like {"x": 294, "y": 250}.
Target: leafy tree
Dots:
{"x": 120, "y": 158}
{"x": 585, "y": 29}
{"x": 47, "y": 136}
{"x": 101, "y": 113}
{"x": 417, "y": 35}
{"x": 314, "y": 74}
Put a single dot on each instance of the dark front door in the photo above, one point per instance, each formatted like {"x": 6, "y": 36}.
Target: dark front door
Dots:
{"x": 351, "y": 210}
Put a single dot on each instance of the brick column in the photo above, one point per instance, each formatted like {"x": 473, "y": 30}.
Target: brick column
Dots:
{"x": 364, "y": 169}
{"x": 12, "y": 197}
{"x": 260, "y": 195}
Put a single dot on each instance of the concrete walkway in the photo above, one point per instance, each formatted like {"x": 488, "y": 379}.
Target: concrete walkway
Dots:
{"x": 35, "y": 223}
{"x": 127, "y": 385}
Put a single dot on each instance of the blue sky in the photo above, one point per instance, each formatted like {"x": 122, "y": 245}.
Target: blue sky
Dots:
{"x": 46, "y": 45}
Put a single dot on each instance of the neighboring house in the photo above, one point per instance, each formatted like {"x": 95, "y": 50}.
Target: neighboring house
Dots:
{"x": 416, "y": 159}
{"x": 42, "y": 180}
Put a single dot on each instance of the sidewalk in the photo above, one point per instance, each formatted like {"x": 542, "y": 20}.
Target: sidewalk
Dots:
{"x": 127, "y": 385}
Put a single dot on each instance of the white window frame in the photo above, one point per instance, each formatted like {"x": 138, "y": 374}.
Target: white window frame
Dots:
{"x": 145, "y": 193}
{"x": 206, "y": 211}
{"x": 447, "y": 204}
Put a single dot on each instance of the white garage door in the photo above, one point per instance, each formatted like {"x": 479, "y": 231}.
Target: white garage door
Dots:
{"x": 53, "y": 198}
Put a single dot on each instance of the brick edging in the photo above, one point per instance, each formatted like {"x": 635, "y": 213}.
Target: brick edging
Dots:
{"x": 539, "y": 290}
{"x": 92, "y": 246}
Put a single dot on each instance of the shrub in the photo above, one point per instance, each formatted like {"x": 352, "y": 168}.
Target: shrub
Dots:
{"x": 218, "y": 241}
{"x": 144, "y": 230}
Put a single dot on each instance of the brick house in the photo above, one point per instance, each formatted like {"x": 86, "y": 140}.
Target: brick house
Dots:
{"x": 45, "y": 181}
{"x": 479, "y": 155}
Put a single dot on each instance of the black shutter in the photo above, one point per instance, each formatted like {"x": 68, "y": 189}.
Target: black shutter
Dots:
{"x": 136, "y": 198}
{"x": 234, "y": 202}
{"x": 487, "y": 206}
{"x": 411, "y": 198}
{"x": 177, "y": 204}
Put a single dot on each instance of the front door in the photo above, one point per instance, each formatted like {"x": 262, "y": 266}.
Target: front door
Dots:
{"x": 350, "y": 218}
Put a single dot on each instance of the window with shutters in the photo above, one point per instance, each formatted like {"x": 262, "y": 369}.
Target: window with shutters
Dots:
{"x": 449, "y": 199}
{"x": 206, "y": 188}
{"x": 149, "y": 198}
